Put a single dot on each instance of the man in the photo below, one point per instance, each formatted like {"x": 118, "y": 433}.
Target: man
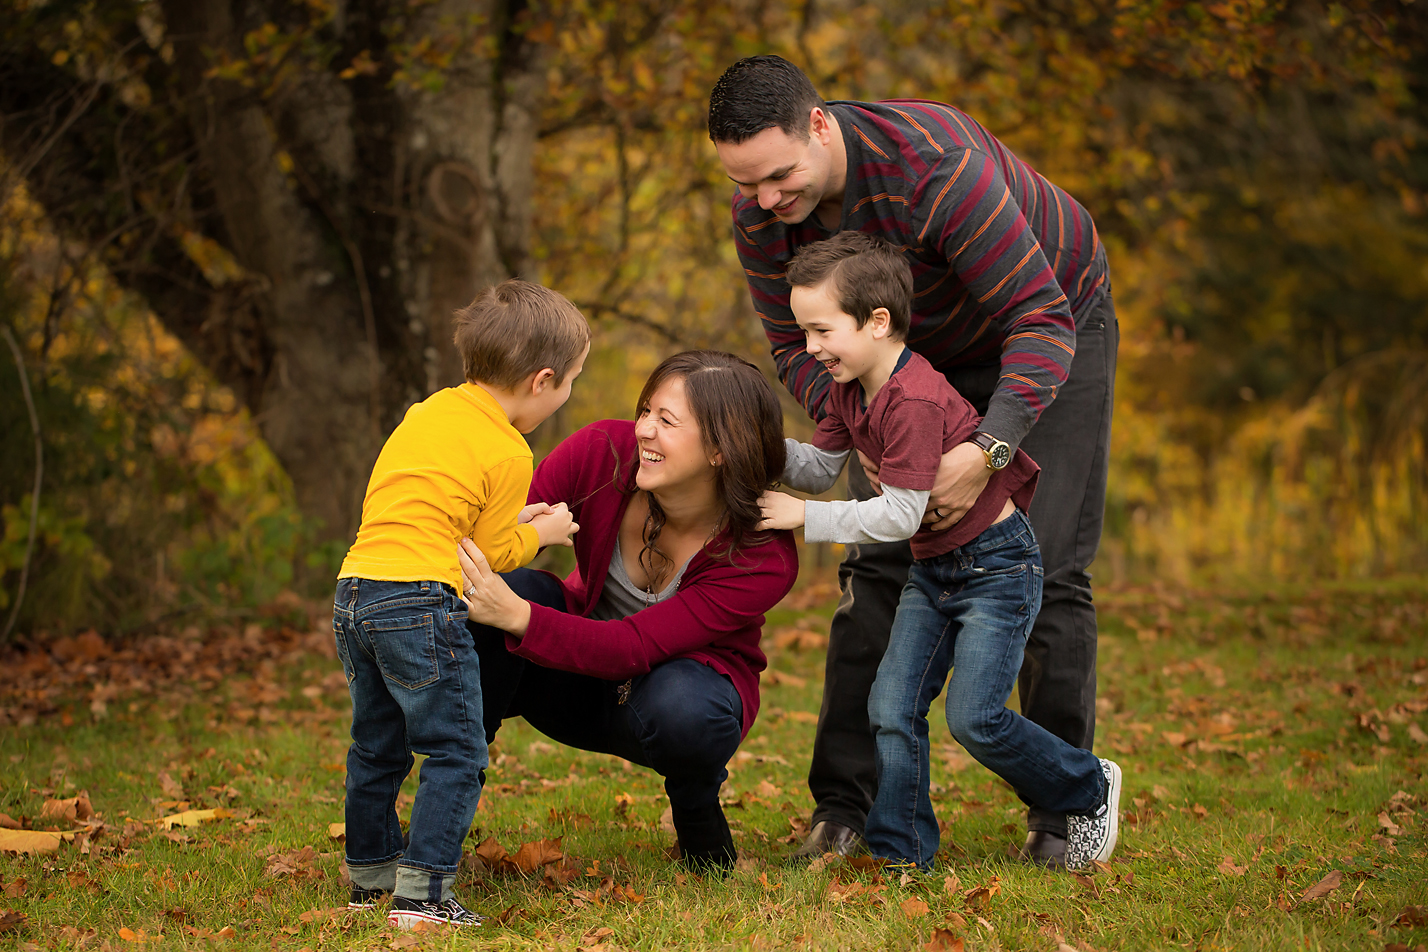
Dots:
{"x": 1011, "y": 302}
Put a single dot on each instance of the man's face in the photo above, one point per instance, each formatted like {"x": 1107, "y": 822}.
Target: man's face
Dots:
{"x": 788, "y": 175}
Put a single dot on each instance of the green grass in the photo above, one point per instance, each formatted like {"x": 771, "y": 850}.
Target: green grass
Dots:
{"x": 1265, "y": 736}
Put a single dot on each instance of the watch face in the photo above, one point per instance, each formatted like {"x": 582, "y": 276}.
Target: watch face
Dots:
{"x": 999, "y": 455}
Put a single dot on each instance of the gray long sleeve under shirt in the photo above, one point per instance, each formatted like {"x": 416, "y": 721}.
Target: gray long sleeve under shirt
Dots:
{"x": 891, "y": 517}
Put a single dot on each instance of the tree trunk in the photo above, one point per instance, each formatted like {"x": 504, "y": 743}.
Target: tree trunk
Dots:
{"x": 306, "y": 235}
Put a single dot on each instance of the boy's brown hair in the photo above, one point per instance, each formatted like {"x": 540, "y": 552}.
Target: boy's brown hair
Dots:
{"x": 515, "y": 329}
{"x": 867, "y": 273}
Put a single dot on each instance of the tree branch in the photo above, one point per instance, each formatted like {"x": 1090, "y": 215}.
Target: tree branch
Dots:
{"x": 39, "y": 475}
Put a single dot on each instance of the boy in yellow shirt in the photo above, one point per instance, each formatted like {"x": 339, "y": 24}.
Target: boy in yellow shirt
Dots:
{"x": 456, "y": 466}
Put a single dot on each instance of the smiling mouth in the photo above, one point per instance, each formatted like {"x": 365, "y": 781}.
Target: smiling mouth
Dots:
{"x": 832, "y": 365}
{"x": 784, "y": 208}
{"x": 650, "y": 456}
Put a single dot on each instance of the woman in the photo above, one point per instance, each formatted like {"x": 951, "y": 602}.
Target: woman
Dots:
{"x": 650, "y": 649}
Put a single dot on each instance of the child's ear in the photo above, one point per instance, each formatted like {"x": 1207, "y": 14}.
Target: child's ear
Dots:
{"x": 540, "y": 380}
{"x": 881, "y": 319}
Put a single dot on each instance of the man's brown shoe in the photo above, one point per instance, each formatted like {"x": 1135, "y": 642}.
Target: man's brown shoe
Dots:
{"x": 829, "y": 836}
{"x": 1044, "y": 849}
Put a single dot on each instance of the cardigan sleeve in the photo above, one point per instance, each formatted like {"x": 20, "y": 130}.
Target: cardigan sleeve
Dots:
{"x": 715, "y": 602}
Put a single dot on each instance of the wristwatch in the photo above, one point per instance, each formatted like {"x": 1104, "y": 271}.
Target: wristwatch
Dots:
{"x": 998, "y": 453}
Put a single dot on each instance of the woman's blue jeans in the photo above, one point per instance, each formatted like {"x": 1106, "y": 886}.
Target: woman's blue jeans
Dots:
{"x": 416, "y": 686}
{"x": 682, "y": 719}
{"x": 969, "y": 610}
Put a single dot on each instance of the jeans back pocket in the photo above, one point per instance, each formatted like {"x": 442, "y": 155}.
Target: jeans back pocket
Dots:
{"x": 405, "y": 648}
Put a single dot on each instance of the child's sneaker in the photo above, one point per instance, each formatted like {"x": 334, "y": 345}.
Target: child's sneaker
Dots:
{"x": 367, "y": 898}
{"x": 1093, "y": 838}
{"x": 411, "y": 913}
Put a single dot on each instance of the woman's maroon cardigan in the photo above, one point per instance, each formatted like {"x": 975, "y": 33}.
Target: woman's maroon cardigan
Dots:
{"x": 715, "y": 617}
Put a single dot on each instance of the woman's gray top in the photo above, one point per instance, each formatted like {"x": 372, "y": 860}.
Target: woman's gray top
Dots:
{"x": 620, "y": 597}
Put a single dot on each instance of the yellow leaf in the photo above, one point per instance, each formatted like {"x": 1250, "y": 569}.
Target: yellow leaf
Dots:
{"x": 128, "y": 935}
{"x": 31, "y": 841}
{"x": 193, "y": 817}
{"x": 337, "y": 831}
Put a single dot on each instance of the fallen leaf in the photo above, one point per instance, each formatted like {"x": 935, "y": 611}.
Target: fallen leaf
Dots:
{"x": 7, "y": 822}
{"x": 73, "y": 809}
{"x": 1229, "y": 868}
{"x": 537, "y": 853}
{"x": 1411, "y": 916}
{"x": 405, "y": 941}
{"x": 337, "y": 831}
{"x": 15, "y": 889}
{"x": 1385, "y": 823}
{"x": 169, "y": 786}
{"x": 1323, "y": 887}
{"x": 1199, "y": 811}
{"x": 623, "y": 802}
{"x": 490, "y": 852}
{"x": 1416, "y": 733}
{"x": 977, "y": 896}
{"x": 11, "y": 920}
{"x": 914, "y": 907}
{"x": 227, "y": 932}
{"x": 944, "y": 940}
{"x": 31, "y": 841}
{"x": 193, "y": 817}
{"x": 952, "y": 884}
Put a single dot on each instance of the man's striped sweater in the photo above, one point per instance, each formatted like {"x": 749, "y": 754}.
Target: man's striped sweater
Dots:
{"x": 1001, "y": 258}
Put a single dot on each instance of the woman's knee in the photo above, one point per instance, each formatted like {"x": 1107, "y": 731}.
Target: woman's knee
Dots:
{"x": 537, "y": 587}
{"x": 690, "y": 715}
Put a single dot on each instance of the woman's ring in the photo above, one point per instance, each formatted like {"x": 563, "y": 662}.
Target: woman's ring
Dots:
{"x": 470, "y": 590}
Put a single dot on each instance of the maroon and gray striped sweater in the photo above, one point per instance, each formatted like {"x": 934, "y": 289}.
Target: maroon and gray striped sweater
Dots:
{"x": 1001, "y": 258}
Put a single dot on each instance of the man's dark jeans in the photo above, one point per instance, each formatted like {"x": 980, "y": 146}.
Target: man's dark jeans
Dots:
{"x": 1071, "y": 443}
{"x": 683, "y": 719}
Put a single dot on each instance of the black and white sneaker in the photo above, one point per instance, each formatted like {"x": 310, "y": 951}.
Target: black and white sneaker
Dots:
{"x": 1093, "y": 838}
{"x": 414, "y": 913}
{"x": 367, "y": 898}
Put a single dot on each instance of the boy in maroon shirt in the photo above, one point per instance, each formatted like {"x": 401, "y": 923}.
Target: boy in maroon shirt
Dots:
{"x": 974, "y": 588}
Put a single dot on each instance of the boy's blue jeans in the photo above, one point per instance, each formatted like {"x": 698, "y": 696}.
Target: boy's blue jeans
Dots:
{"x": 969, "y": 610}
{"x": 416, "y": 686}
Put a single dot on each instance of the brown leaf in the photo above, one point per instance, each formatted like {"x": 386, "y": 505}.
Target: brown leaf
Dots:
{"x": 956, "y": 921}
{"x": 10, "y": 920}
{"x": 1385, "y": 823}
{"x": 977, "y": 896}
{"x": 490, "y": 852}
{"x": 7, "y": 822}
{"x": 227, "y": 932}
{"x": 623, "y": 802}
{"x": 914, "y": 907}
{"x": 1228, "y": 867}
{"x": 944, "y": 940}
{"x": 15, "y": 889}
{"x": 1323, "y": 887}
{"x": 1199, "y": 811}
{"x": 537, "y": 853}
{"x": 73, "y": 809}
{"x": 171, "y": 788}
{"x": 952, "y": 884}
{"x": 1411, "y": 916}
{"x": 1416, "y": 734}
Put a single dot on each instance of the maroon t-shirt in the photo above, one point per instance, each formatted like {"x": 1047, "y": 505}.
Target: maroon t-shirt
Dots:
{"x": 911, "y": 422}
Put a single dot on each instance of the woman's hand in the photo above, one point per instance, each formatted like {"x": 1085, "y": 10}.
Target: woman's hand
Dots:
{"x": 489, "y": 600}
{"x": 780, "y": 511}
{"x": 961, "y": 477}
{"x": 554, "y": 524}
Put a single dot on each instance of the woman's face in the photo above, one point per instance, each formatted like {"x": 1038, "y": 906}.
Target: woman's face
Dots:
{"x": 672, "y": 452}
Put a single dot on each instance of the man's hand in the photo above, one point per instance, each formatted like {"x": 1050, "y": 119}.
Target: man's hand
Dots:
{"x": 555, "y": 526}
{"x": 489, "y": 600}
{"x": 780, "y": 511}
{"x": 961, "y": 477}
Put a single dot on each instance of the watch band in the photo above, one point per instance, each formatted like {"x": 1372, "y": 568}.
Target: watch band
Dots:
{"x": 997, "y": 452}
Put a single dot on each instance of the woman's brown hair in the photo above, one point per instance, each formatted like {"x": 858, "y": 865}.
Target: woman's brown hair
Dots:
{"x": 739, "y": 416}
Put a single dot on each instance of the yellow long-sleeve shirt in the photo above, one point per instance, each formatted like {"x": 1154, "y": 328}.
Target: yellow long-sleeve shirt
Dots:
{"x": 454, "y": 467}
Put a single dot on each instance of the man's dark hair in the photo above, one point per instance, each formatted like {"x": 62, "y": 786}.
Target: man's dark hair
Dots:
{"x": 867, "y": 273}
{"x": 758, "y": 93}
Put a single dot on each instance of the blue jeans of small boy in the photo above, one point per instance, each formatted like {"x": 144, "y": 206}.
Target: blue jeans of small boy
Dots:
{"x": 416, "y": 686}
{"x": 969, "y": 610}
